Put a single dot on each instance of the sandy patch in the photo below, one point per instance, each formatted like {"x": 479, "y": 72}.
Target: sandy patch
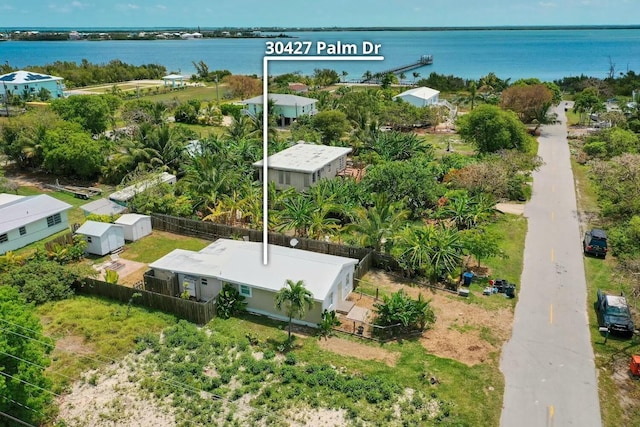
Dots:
{"x": 458, "y": 331}
{"x": 108, "y": 398}
{"x": 361, "y": 351}
{"x": 307, "y": 417}
{"x": 512, "y": 208}
{"x": 73, "y": 344}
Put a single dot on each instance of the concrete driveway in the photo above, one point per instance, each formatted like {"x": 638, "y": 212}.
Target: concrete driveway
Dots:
{"x": 548, "y": 362}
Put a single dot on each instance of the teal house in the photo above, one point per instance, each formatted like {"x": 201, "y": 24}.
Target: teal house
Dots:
{"x": 286, "y": 107}
{"x": 22, "y": 82}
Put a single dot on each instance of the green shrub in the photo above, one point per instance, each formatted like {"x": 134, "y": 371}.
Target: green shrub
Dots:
{"x": 230, "y": 302}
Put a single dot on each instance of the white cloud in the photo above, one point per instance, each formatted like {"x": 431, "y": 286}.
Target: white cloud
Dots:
{"x": 547, "y": 4}
{"x": 78, "y": 5}
{"x": 161, "y": 7}
{"x": 133, "y": 6}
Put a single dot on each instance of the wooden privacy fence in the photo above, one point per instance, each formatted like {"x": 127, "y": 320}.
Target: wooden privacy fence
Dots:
{"x": 196, "y": 312}
{"x": 161, "y": 286}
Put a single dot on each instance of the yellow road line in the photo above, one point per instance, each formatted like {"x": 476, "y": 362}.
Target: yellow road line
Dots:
{"x": 553, "y": 216}
{"x": 551, "y": 414}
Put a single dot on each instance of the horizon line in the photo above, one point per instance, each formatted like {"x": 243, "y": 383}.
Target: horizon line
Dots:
{"x": 344, "y": 28}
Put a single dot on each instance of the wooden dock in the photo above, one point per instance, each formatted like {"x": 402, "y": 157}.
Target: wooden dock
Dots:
{"x": 424, "y": 60}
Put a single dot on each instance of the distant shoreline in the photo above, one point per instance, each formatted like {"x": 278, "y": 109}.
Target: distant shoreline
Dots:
{"x": 323, "y": 29}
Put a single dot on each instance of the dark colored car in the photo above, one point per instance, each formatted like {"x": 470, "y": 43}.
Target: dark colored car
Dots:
{"x": 614, "y": 314}
{"x": 595, "y": 243}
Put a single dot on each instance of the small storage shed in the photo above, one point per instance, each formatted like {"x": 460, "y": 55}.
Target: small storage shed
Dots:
{"x": 135, "y": 226}
{"x": 102, "y": 238}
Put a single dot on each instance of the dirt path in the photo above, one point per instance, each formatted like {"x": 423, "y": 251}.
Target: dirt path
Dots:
{"x": 361, "y": 351}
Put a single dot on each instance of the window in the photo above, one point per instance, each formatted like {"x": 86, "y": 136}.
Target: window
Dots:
{"x": 204, "y": 281}
{"x": 88, "y": 239}
{"x": 4, "y": 238}
{"x": 280, "y": 177}
{"x": 287, "y": 177}
{"x": 245, "y": 290}
{"x": 53, "y": 220}
{"x": 306, "y": 180}
{"x": 313, "y": 177}
{"x": 22, "y": 230}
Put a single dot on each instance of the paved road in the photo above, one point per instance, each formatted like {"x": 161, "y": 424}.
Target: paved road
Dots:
{"x": 548, "y": 363}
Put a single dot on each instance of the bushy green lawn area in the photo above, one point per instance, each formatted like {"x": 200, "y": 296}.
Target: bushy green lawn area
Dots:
{"x": 91, "y": 332}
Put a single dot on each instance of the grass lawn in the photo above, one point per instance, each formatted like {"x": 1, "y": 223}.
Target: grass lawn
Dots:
{"x": 202, "y": 93}
{"x": 617, "y": 392}
{"x": 91, "y": 331}
{"x": 160, "y": 243}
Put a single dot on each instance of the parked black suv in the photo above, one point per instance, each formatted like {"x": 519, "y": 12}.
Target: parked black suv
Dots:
{"x": 595, "y": 243}
{"x": 614, "y": 314}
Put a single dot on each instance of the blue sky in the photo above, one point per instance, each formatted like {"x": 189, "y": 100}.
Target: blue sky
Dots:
{"x": 314, "y": 13}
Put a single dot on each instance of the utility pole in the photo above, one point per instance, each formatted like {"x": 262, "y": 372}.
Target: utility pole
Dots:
{"x": 217, "y": 91}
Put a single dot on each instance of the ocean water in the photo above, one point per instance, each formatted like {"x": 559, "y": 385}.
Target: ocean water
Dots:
{"x": 547, "y": 54}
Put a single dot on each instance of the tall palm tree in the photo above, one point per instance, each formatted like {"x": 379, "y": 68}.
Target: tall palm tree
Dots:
{"x": 294, "y": 299}
{"x": 415, "y": 76}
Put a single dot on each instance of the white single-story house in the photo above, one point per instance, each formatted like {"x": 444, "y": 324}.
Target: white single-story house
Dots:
{"x": 24, "y": 220}
{"x": 123, "y": 196}
{"x": 239, "y": 263}
{"x": 102, "y": 238}
{"x": 20, "y": 82}
{"x": 103, "y": 207}
{"x": 420, "y": 96}
{"x": 286, "y": 107}
{"x": 135, "y": 226}
{"x": 173, "y": 80}
{"x": 302, "y": 165}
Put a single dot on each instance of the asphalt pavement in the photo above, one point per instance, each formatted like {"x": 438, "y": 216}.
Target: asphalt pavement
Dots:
{"x": 550, "y": 376}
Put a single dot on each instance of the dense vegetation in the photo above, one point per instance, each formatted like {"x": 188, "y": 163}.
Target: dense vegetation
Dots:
{"x": 86, "y": 73}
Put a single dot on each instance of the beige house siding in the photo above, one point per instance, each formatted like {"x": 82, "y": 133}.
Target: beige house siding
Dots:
{"x": 262, "y": 302}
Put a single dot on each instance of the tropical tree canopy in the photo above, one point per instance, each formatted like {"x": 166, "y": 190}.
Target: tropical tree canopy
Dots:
{"x": 491, "y": 129}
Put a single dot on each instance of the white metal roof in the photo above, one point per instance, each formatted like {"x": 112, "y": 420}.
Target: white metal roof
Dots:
{"x": 103, "y": 207}
{"x": 22, "y": 76}
{"x": 26, "y": 210}
{"x": 8, "y": 198}
{"x": 419, "y": 92}
{"x": 282, "y": 100}
{"x": 304, "y": 157}
{"x": 130, "y": 219}
{"x": 128, "y": 193}
{"x": 237, "y": 261}
{"x": 95, "y": 228}
{"x": 174, "y": 77}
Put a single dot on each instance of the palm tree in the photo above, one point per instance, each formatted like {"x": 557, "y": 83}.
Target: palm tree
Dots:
{"x": 473, "y": 92}
{"x": 294, "y": 298}
{"x": 378, "y": 223}
{"x": 415, "y": 76}
{"x": 296, "y": 215}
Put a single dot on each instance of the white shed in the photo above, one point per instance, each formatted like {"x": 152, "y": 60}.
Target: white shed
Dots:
{"x": 102, "y": 238}
{"x": 135, "y": 226}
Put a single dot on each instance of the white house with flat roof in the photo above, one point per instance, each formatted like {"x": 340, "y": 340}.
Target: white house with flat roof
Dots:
{"x": 286, "y": 107}
{"x": 24, "y": 220}
{"x": 303, "y": 164}
{"x": 420, "y": 96}
{"x": 239, "y": 263}
{"x": 20, "y": 82}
